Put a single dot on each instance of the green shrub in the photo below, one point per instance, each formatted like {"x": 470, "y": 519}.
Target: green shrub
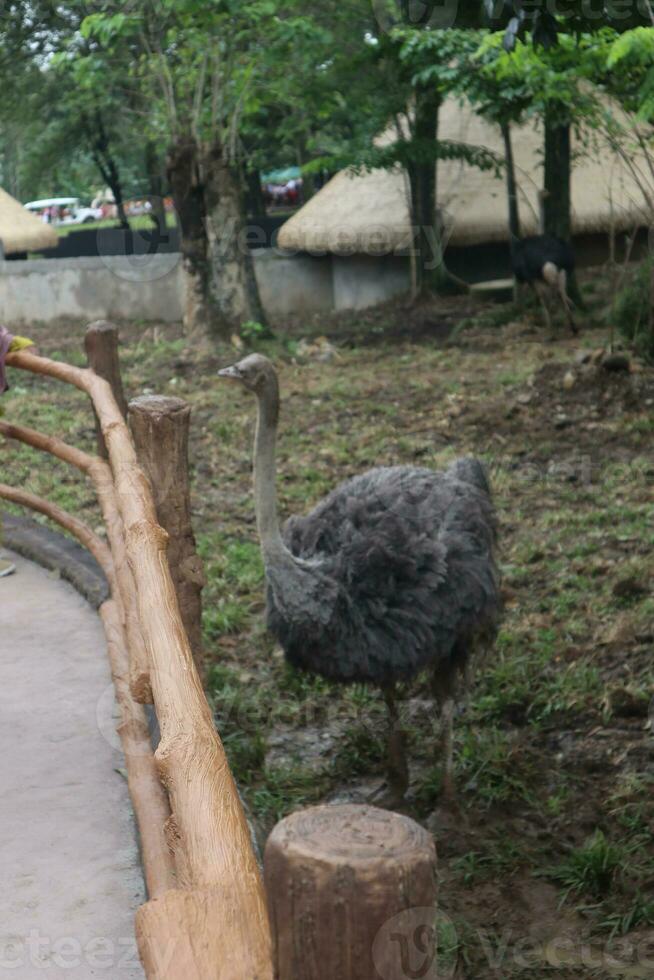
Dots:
{"x": 633, "y": 310}
{"x": 252, "y": 332}
{"x": 592, "y": 867}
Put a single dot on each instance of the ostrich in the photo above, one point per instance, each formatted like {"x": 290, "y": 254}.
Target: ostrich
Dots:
{"x": 541, "y": 261}
{"x": 392, "y": 572}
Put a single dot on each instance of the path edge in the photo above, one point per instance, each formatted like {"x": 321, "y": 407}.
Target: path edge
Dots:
{"x": 56, "y": 552}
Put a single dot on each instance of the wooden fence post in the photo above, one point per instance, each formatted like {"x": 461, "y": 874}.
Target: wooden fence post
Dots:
{"x": 160, "y": 428}
{"x": 351, "y": 894}
{"x": 101, "y": 346}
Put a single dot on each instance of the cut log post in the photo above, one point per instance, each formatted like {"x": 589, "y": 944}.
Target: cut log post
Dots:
{"x": 101, "y": 346}
{"x": 351, "y": 894}
{"x": 160, "y": 429}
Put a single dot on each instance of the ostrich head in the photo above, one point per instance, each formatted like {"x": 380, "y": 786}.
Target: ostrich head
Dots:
{"x": 255, "y": 372}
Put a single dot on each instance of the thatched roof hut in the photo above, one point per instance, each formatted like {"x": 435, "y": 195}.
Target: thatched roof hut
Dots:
{"x": 21, "y": 231}
{"x": 369, "y": 213}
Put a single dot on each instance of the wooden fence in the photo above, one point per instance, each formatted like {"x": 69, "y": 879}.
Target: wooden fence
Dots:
{"x": 206, "y": 914}
{"x": 336, "y": 877}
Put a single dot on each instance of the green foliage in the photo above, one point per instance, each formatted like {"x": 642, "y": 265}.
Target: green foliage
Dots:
{"x": 284, "y": 790}
{"x": 228, "y": 615}
{"x": 591, "y": 868}
{"x": 633, "y": 310}
{"x": 500, "y": 860}
{"x": 640, "y": 912}
{"x": 252, "y": 332}
{"x": 361, "y": 751}
{"x": 631, "y": 65}
{"x": 532, "y": 80}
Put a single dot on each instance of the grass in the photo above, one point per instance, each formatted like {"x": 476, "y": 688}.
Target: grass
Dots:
{"x": 140, "y": 222}
{"x": 591, "y": 868}
{"x": 500, "y": 859}
{"x": 639, "y": 913}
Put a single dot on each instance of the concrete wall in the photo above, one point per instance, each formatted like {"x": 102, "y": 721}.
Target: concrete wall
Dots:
{"x": 118, "y": 287}
{"x": 363, "y": 280}
{"x": 294, "y": 283}
{"x": 150, "y": 288}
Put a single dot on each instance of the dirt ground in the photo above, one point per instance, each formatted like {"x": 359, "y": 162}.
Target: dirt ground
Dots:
{"x": 547, "y": 869}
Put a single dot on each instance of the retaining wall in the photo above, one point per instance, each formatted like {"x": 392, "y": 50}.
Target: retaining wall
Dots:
{"x": 147, "y": 287}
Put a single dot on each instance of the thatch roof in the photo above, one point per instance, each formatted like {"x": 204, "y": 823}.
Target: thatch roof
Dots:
{"x": 369, "y": 213}
{"x": 21, "y": 231}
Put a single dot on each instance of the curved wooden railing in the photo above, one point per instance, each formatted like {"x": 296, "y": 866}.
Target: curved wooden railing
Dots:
{"x": 206, "y": 915}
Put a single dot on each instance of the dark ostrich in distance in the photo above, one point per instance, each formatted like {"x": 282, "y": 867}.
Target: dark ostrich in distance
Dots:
{"x": 392, "y": 573}
{"x": 543, "y": 261}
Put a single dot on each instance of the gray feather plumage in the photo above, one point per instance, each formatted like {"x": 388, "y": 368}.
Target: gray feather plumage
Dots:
{"x": 398, "y": 574}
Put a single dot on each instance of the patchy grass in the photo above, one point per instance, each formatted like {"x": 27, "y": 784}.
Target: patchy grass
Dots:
{"x": 552, "y": 742}
{"x": 591, "y": 868}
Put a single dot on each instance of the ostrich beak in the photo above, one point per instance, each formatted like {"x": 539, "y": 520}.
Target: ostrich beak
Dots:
{"x": 231, "y": 373}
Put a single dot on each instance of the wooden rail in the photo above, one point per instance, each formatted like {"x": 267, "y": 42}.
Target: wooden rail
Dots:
{"x": 206, "y": 916}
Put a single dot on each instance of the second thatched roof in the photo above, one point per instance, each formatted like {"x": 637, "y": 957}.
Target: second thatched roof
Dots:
{"x": 21, "y": 231}
{"x": 369, "y": 213}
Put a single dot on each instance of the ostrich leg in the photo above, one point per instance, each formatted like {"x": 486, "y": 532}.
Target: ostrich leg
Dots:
{"x": 447, "y": 717}
{"x": 540, "y": 292}
{"x": 562, "y": 286}
{"x": 443, "y": 687}
{"x": 397, "y": 771}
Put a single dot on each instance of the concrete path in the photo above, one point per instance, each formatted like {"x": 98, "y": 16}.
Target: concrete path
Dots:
{"x": 69, "y": 868}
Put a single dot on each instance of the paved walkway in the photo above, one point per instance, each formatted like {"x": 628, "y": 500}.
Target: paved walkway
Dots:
{"x": 69, "y": 870}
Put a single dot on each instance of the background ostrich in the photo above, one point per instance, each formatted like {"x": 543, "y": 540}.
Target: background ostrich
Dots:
{"x": 391, "y": 573}
{"x": 544, "y": 261}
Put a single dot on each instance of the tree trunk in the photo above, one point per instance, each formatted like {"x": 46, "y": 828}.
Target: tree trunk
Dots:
{"x": 109, "y": 172}
{"x": 511, "y": 187}
{"x": 156, "y": 186}
{"x": 557, "y": 187}
{"x": 512, "y": 198}
{"x": 183, "y": 167}
{"x": 556, "y": 182}
{"x": 255, "y": 204}
{"x": 105, "y": 162}
{"x": 427, "y": 228}
{"x": 231, "y": 281}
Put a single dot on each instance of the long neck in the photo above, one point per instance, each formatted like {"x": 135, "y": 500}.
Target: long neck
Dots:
{"x": 300, "y": 592}
{"x": 265, "y": 494}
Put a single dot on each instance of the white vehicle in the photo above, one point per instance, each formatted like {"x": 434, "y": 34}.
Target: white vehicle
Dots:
{"x": 64, "y": 211}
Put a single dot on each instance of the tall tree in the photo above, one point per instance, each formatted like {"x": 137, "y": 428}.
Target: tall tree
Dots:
{"x": 431, "y": 60}
{"x": 75, "y": 108}
{"x": 198, "y": 64}
{"x": 557, "y": 38}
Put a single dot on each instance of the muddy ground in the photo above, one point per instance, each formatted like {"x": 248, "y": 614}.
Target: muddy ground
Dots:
{"x": 547, "y": 869}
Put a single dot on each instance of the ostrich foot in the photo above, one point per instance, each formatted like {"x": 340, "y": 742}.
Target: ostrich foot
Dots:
{"x": 392, "y": 792}
{"x": 448, "y": 789}
{"x": 449, "y": 799}
{"x": 388, "y": 796}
